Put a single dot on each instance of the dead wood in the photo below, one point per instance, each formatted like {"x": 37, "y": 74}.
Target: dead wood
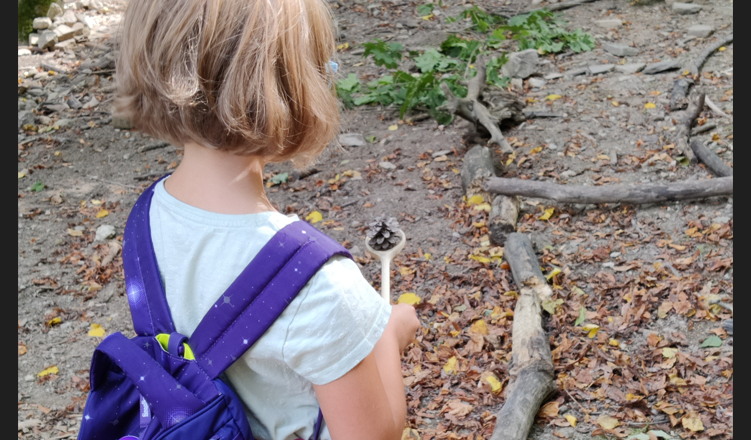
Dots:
{"x": 711, "y": 160}
{"x": 682, "y": 85}
{"x": 531, "y": 368}
{"x": 473, "y": 109}
{"x": 717, "y": 110}
{"x": 478, "y": 166}
{"x": 683, "y": 134}
{"x": 709, "y": 126}
{"x": 634, "y": 194}
{"x": 504, "y": 213}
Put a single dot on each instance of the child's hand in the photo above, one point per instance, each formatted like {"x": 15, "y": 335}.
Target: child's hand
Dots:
{"x": 404, "y": 323}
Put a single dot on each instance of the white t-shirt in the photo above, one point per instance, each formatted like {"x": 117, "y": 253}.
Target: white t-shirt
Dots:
{"x": 330, "y": 327}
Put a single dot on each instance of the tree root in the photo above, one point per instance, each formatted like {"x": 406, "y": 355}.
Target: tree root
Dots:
{"x": 711, "y": 160}
{"x": 682, "y": 85}
{"x": 683, "y": 134}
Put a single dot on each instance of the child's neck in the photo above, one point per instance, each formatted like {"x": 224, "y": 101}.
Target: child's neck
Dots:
{"x": 220, "y": 182}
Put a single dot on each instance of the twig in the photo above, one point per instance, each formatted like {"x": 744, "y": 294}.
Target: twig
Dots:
{"x": 703, "y": 128}
{"x": 683, "y": 134}
{"x": 695, "y": 66}
{"x": 717, "y": 110}
{"x": 711, "y": 160}
{"x": 682, "y": 85}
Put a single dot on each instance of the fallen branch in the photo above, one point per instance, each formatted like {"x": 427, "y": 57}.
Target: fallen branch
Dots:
{"x": 478, "y": 166}
{"x": 565, "y": 5}
{"x": 678, "y": 95}
{"x": 634, "y": 194}
{"x": 683, "y": 134}
{"x": 695, "y": 66}
{"x": 504, "y": 213}
{"x": 711, "y": 160}
{"x": 703, "y": 128}
{"x": 717, "y": 110}
{"x": 531, "y": 368}
{"x": 473, "y": 110}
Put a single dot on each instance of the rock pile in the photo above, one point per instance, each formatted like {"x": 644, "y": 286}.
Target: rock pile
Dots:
{"x": 60, "y": 27}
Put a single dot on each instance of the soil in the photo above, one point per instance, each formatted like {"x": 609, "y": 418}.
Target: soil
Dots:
{"x": 90, "y": 167}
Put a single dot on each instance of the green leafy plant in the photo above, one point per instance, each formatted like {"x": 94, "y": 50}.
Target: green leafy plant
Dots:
{"x": 493, "y": 69}
{"x": 28, "y": 10}
{"x": 37, "y": 187}
{"x": 279, "y": 179}
{"x": 458, "y": 47}
{"x": 346, "y": 87}
{"x": 384, "y": 54}
{"x": 425, "y": 9}
{"x": 481, "y": 20}
{"x": 545, "y": 31}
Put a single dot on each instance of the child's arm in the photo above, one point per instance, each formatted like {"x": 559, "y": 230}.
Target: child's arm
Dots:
{"x": 368, "y": 402}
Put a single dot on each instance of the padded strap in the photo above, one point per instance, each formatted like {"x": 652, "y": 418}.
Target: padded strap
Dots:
{"x": 148, "y": 304}
{"x": 168, "y": 399}
{"x": 260, "y": 294}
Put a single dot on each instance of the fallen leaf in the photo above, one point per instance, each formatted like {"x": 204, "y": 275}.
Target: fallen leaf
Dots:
{"x": 54, "y": 321}
{"x": 615, "y": 104}
{"x": 614, "y": 343}
{"x": 408, "y": 298}
{"x": 344, "y": 46}
{"x": 47, "y": 371}
{"x": 458, "y": 408}
{"x": 479, "y": 326}
{"x": 450, "y": 367}
{"x": 21, "y": 174}
{"x": 607, "y": 422}
{"x": 548, "y": 213}
{"x": 475, "y": 200}
{"x": 553, "y": 97}
{"x": 571, "y": 419}
{"x": 393, "y": 127}
{"x": 102, "y": 213}
{"x": 551, "y": 306}
{"x": 495, "y": 384}
{"x": 535, "y": 150}
{"x": 549, "y": 410}
{"x": 483, "y": 207}
{"x": 553, "y": 273}
{"x": 96, "y": 331}
{"x": 712, "y": 341}
{"x": 411, "y": 434}
{"x": 655, "y": 93}
{"x": 722, "y": 49}
{"x": 427, "y": 256}
{"x": 669, "y": 353}
{"x": 649, "y": 105}
{"x": 74, "y": 233}
{"x": 582, "y": 317}
{"x": 692, "y": 422}
{"x": 314, "y": 217}
{"x": 592, "y": 329}
{"x": 22, "y": 350}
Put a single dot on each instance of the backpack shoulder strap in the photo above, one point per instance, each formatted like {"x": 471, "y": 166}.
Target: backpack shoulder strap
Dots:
{"x": 260, "y": 294}
{"x": 148, "y": 303}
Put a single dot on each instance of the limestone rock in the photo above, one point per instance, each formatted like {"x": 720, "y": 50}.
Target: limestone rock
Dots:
{"x": 630, "y": 68}
{"x": 352, "y": 140}
{"x": 610, "y": 23}
{"x": 54, "y": 11}
{"x": 700, "y": 30}
{"x": 601, "y": 68}
{"x": 105, "y": 232}
{"x": 521, "y": 64}
{"x": 387, "y": 165}
{"x": 69, "y": 17}
{"x": 64, "y": 32}
{"x": 662, "y": 66}
{"x": 47, "y": 39}
{"x": 686, "y": 8}
{"x": 620, "y": 50}
{"x": 78, "y": 28}
{"x": 24, "y": 52}
{"x": 42, "y": 23}
{"x": 537, "y": 82}
{"x": 33, "y": 39}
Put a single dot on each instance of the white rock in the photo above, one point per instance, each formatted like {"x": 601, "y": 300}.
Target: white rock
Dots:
{"x": 352, "y": 140}
{"x": 64, "y": 32}
{"x": 42, "y": 23}
{"x": 47, "y": 39}
{"x": 597, "y": 69}
{"x": 517, "y": 83}
{"x": 78, "y": 28}
{"x": 24, "y": 52}
{"x": 69, "y": 17}
{"x": 105, "y": 232}
{"x": 537, "y": 82}
{"x": 387, "y": 165}
{"x": 630, "y": 68}
{"x": 662, "y": 66}
{"x": 554, "y": 75}
{"x": 700, "y": 31}
{"x": 54, "y": 11}
{"x": 685, "y": 8}
{"x": 91, "y": 103}
{"x": 33, "y": 39}
{"x": 620, "y": 50}
{"x": 521, "y": 64}
{"x": 610, "y": 23}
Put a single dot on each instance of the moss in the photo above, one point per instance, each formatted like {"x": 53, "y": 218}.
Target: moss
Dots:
{"x": 28, "y": 10}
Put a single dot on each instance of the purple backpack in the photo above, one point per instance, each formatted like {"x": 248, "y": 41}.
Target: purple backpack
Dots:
{"x": 163, "y": 385}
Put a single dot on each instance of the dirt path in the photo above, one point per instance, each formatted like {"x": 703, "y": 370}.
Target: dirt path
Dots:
{"x": 643, "y": 275}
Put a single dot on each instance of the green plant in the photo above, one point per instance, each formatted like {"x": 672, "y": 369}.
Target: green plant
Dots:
{"x": 481, "y": 20}
{"x": 346, "y": 87}
{"x": 384, "y": 54}
{"x": 545, "y": 31}
{"x": 425, "y": 9}
{"x": 37, "y": 187}
{"x": 28, "y": 10}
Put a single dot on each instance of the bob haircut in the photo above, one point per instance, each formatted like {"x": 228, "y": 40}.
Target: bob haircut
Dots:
{"x": 250, "y": 77}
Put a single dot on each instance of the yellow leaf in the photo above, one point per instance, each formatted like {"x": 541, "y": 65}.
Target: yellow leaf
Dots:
{"x": 450, "y": 367}
{"x": 96, "y": 331}
{"x": 102, "y": 213}
{"x": 553, "y": 97}
{"x": 607, "y": 422}
{"x": 428, "y": 17}
{"x": 614, "y": 343}
{"x": 548, "y": 213}
{"x": 722, "y": 49}
{"x": 511, "y": 158}
{"x": 483, "y": 207}
{"x": 615, "y": 104}
{"x": 485, "y": 260}
{"x": 677, "y": 381}
{"x": 427, "y": 256}
{"x": 54, "y": 321}
{"x": 344, "y": 46}
{"x": 603, "y": 157}
{"x": 553, "y": 273}
{"x": 592, "y": 329}
{"x": 21, "y": 174}
{"x": 649, "y": 105}
{"x": 74, "y": 233}
{"x": 495, "y": 384}
{"x": 393, "y": 127}
{"x": 669, "y": 353}
{"x": 314, "y": 217}
{"x": 655, "y": 93}
{"x": 535, "y": 150}
{"x": 571, "y": 419}
{"x": 96, "y": 202}
{"x": 47, "y": 371}
{"x": 408, "y": 298}
{"x": 475, "y": 200}
{"x": 692, "y": 422}
{"x": 633, "y": 398}
{"x": 22, "y": 350}
{"x": 411, "y": 434}
{"x": 479, "y": 326}
{"x": 404, "y": 270}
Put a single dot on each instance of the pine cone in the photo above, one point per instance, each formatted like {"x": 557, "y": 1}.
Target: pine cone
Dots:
{"x": 383, "y": 233}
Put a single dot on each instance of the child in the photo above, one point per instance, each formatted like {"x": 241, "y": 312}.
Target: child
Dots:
{"x": 238, "y": 84}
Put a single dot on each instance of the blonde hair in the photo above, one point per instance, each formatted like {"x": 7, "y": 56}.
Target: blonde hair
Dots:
{"x": 246, "y": 76}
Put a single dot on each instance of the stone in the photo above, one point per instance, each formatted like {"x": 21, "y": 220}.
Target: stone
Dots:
{"x": 47, "y": 39}
{"x": 42, "y": 23}
{"x": 576, "y": 72}
{"x": 74, "y": 103}
{"x": 521, "y": 64}
{"x": 601, "y": 68}
{"x": 517, "y": 83}
{"x": 91, "y": 103}
{"x": 69, "y": 17}
{"x": 554, "y": 75}
{"x": 104, "y": 233}
{"x": 25, "y": 118}
{"x": 352, "y": 140}
{"x": 355, "y": 251}
{"x": 662, "y": 66}
{"x": 700, "y": 31}
{"x": 620, "y": 50}
{"x": 122, "y": 122}
{"x": 686, "y": 8}
{"x": 54, "y": 11}
{"x": 33, "y": 39}
{"x": 387, "y": 165}
{"x": 43, "y": 120}
{"x": 24, "y": 52}
{"x": 78, "y": 28}
{"x": 65, "y": 123}
{"x": 610, "y": 23}
{"x": 64, "y": 32}
{"x": 537, "y": 82}
{"x": 630, "y": 68}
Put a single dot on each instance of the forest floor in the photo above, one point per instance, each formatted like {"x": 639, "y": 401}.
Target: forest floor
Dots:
{"x": 637, "y": 346}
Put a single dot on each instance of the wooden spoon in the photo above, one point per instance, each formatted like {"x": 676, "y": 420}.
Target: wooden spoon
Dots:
{"x": 386, "y": 257}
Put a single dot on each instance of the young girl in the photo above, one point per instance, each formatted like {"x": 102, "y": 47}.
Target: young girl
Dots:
{"x": 238, "y": 84}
